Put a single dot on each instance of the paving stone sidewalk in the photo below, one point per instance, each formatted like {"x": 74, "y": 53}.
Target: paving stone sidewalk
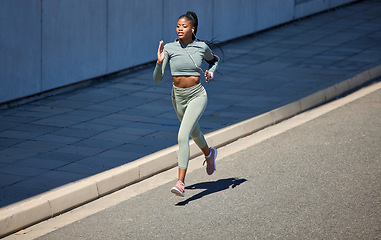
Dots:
{"x": 57, "y": 140}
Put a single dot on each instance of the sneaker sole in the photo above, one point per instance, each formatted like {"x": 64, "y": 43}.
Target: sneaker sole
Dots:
{"x": 177, "y": 192}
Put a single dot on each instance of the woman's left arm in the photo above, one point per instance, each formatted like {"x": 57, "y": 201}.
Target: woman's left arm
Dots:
{"x": 212, "y": 59}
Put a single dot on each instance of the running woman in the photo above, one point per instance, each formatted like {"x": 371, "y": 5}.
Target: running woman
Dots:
{"x": 189, "y": 97}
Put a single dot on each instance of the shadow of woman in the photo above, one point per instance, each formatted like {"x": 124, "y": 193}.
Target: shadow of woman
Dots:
{"x": 211, "y": 187}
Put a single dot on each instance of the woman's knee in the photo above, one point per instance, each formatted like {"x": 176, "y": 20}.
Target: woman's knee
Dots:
{"x": 182, "y": 138}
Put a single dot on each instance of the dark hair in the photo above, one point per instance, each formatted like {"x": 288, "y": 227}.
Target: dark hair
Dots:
{"x": 191, "y": 16}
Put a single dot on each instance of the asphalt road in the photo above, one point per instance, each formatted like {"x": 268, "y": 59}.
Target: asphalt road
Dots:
{"x": 318, "y": 180}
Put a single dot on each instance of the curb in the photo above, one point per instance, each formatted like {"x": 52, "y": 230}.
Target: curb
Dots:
{"x": 62, "y": 199}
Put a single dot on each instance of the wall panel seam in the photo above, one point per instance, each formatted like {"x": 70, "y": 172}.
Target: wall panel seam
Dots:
{"x": 41, "y": 45}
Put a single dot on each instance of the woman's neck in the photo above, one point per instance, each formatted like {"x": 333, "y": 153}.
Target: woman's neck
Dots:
{"x": 186, "y": 41}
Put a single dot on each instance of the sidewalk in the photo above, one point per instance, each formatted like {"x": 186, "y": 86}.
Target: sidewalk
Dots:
{"x": 292, "y": 185}
{"x": 61, "y": 139}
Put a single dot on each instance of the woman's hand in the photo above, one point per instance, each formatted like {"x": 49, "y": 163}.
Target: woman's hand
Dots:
{"x": 160, "y": 52}
{"x": 208, "y": 76}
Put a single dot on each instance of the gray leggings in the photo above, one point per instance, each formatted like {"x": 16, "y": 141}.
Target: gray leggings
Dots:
{"x": 189, "y": 104}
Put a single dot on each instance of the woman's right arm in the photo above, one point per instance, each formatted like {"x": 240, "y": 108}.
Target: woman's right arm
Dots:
{"x": 162, "y": 60}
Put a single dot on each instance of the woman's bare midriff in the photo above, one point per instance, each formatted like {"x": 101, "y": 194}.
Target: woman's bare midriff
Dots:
{"x": 185, "y": 81}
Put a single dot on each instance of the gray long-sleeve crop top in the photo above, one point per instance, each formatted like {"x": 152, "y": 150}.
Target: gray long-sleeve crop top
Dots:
{"x": 181, "y": 63}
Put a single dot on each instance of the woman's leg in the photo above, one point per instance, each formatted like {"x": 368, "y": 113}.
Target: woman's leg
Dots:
{"x": 189, "y": 121}
{"x": 181, "y": 174}
{"x": 198, "y": 138}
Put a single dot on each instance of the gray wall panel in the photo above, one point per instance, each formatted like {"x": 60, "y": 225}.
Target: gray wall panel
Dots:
{"x": 305, "y": 8}
{"x": 266, "y": 15}
{"x": 134, "y": 30}
{"x": 233, "y": 18}
{"x": 335, "y": 3}
{"x": 73, "y": 41}
{"x": 20, "y": 48}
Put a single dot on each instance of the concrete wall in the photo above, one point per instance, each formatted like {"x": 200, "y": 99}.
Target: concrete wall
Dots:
{"x": 74, "y": 40}
{"x": 48, "y": 44}
{"x": 20, "y": 48}
{"x": 133, "y": 31}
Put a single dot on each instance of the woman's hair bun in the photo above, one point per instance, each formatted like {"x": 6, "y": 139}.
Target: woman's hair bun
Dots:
{"x": 194, "y": 20}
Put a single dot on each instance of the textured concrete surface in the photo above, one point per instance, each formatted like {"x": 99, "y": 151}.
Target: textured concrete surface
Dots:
{"x": 58, "y": 140}
{"x": 316, "y": 180}
{"x": 61, "y": 139}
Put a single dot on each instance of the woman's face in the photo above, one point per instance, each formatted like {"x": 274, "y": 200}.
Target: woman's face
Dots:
{"x": 184, "y": 30}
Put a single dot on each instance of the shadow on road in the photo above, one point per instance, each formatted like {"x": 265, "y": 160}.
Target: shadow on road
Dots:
{"x": 211, "y": 187}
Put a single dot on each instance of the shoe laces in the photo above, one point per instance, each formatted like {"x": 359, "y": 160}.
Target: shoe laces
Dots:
{"x": 207, "y": 157}
{"x": 181, "y": 185}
